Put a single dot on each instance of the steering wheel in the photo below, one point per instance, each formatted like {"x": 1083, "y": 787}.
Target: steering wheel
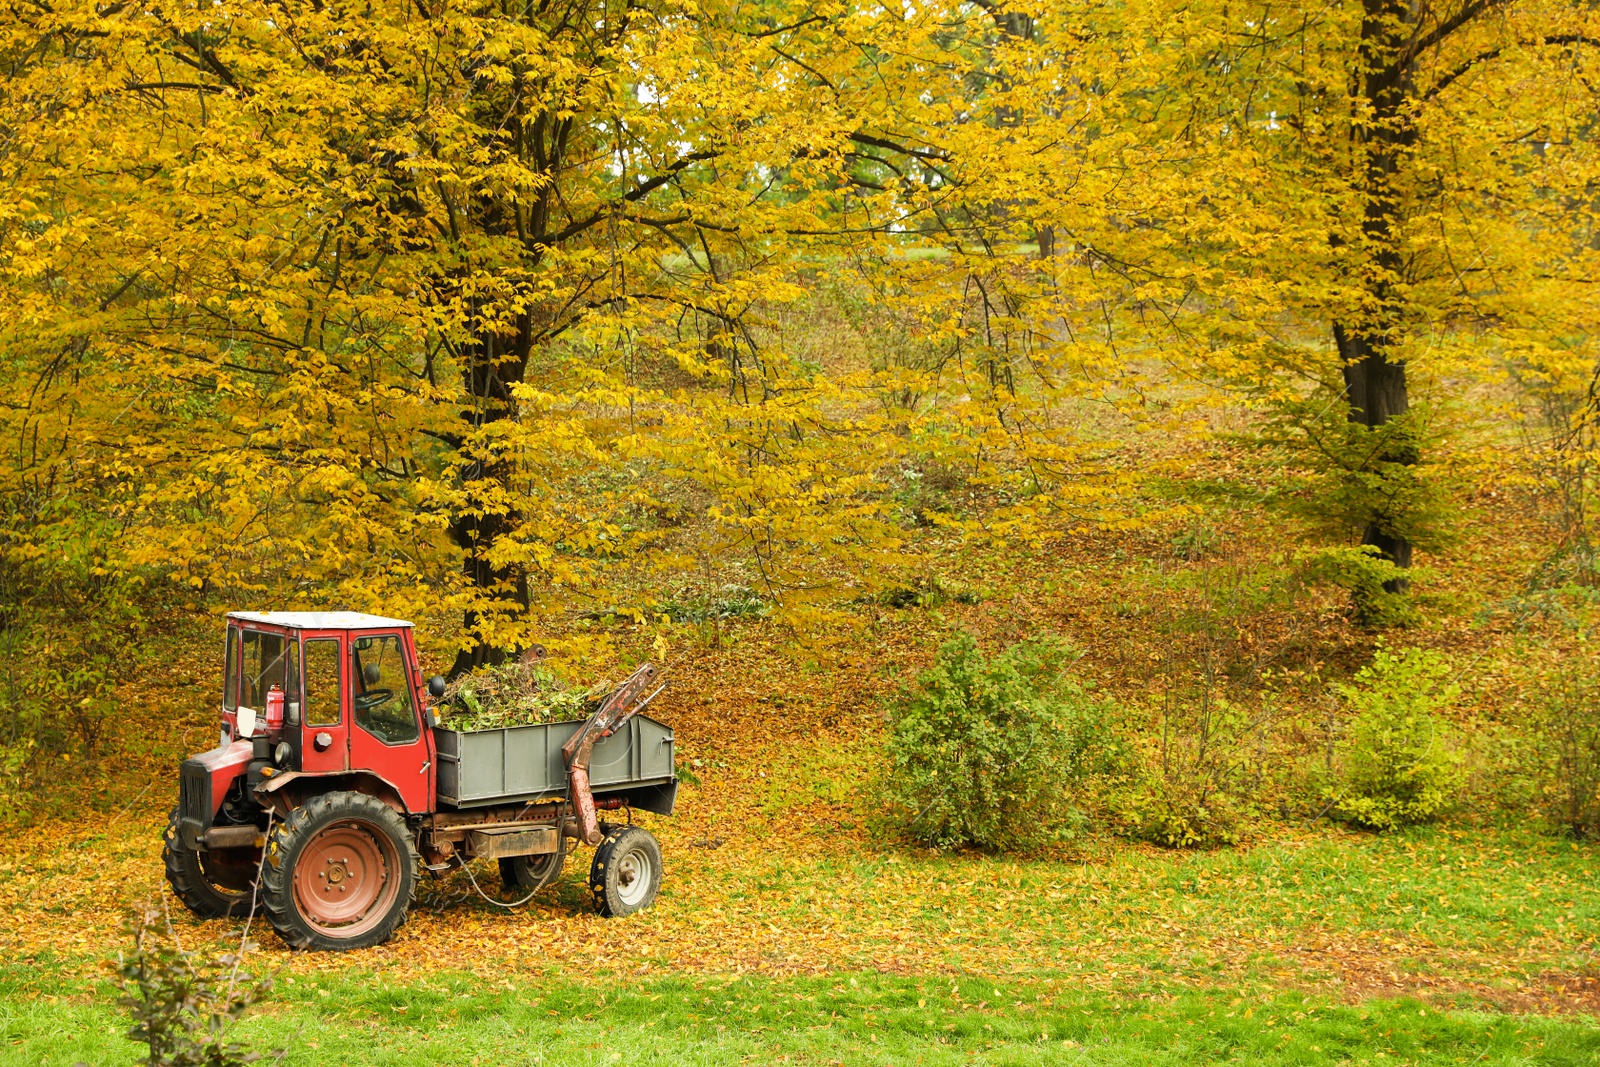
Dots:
{"x": 372, "y": 698}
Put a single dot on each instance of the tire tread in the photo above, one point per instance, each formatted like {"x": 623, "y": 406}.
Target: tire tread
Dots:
{"x": 189, "y": 882}
{"x": 615, "y": 842}
{"x": 277, "y": 879}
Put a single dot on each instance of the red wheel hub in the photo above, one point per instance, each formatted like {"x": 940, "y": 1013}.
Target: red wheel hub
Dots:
{"x": 344, "y": 880}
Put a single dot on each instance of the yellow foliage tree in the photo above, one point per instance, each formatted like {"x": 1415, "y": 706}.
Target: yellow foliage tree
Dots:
{"x": 1363, "y": 197}
{"x": 466, "y": 304}
{"x": 331, "y": 301}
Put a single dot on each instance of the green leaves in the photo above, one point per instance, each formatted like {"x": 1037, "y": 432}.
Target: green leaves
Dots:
{"x": 518, "y": 692}
{"x": 986, "y": 752}
{"x": 1396, "y": 767}
{"x": 184, "y": 1004}
{"x": 1345, "y": 476}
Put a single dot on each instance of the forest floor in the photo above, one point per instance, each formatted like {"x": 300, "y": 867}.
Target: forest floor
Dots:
{"x": 790, "y": 929}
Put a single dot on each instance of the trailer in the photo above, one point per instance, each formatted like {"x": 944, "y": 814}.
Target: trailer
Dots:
{"x": 333, "y": 785}
{"x": 513, "y": 763}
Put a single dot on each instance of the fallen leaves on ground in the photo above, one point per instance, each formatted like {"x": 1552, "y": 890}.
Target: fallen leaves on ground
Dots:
{"x": 774, "y": 864}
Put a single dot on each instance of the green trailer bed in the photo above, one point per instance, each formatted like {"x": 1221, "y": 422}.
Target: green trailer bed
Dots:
{"x": 523, "y": 764}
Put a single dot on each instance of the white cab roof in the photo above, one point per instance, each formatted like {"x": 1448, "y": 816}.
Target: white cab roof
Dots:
{"x": 317, "y": 620}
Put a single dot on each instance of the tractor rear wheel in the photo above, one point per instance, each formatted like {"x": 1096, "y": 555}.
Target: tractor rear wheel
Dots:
{"x": 526, "y": 874}
{"x": 340, "y": 873}
{"x": 213, "y": 885}
{"x": 626, "y": 873}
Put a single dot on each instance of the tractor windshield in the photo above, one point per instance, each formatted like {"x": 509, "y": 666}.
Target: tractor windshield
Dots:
{"x": 263, "y": 664}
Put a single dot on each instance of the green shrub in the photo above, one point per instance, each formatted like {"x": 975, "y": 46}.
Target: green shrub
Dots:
{"x": 1181, "y": 813}
{"x": 72, "y": 619}
{"x": 1395, "y": 768}
{"x": 1367, "y": 575}
{"x": 1352, "y": 481}
{"x": 1565, "y": 734}
{"x": 184, "y": 1003}
{"x": 1202, "y": 754}
{"x": 1188, "y": 794}
{"x": 987, "y": 752}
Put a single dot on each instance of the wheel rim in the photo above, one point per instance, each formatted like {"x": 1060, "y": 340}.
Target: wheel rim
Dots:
{"x": 634, "y": 872}
{"x": 346, "y": 878}
{"x": 540, "y": 868}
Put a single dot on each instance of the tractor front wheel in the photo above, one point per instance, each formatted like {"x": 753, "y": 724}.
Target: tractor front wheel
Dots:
{"x": 626, "y": 873}
{"x": 213, "y": 885}
{"x": 340, "y": 873}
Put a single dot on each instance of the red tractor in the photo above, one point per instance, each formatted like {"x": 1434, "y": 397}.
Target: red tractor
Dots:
{"x": 332, "y": 782}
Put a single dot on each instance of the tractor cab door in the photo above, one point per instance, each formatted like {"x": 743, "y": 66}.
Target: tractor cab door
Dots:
{"x": 386, "y": 732}
{"x": 323, "y": 715}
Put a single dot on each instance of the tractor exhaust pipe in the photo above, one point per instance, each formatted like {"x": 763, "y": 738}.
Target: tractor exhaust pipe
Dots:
{"x": 233, "y": 837}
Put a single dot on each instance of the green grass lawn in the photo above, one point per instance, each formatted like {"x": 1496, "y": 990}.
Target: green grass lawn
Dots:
{"x": 861, "y": 1019}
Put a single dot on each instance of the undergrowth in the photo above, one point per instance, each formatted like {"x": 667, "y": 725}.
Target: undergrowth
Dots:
{"x": 1398, "y": 768}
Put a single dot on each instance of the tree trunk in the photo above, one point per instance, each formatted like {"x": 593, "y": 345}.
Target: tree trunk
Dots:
{"x": 1375, "y": 388}
{"x": 1375, "y": 383}
{"x": 1020, "y": 26}
{"x": 493, "y": 365}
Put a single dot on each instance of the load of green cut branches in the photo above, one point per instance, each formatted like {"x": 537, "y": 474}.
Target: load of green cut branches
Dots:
{"x": 519, "y": 692}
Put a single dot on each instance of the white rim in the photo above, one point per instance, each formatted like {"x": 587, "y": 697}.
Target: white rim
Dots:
{"x": 634, "y": 871}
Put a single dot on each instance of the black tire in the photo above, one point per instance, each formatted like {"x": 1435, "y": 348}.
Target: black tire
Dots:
{"x": 210, "y": 889}
{"x": 626, "y": 873}
{"x": 329, "y": 845}
{"x": 526, "y": 874}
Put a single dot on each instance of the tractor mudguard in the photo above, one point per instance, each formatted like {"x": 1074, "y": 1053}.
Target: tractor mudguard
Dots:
{"x": 308, "y": 785}
{"x": 203, "y": 782}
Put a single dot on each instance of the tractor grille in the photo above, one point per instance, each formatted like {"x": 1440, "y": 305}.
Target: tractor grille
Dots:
{"x": 194, "y": 799}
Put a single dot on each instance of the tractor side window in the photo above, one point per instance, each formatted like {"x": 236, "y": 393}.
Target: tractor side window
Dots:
{"x": 322, "y": 682}
{"x": 383, "y": 690}
{"x": 230, "y": 673}
{"x": 263, "y": 663}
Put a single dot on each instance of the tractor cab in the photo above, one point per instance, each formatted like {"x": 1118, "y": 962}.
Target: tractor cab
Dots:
{"x": 327, "y": 693}
{"x": 330, "y": 691}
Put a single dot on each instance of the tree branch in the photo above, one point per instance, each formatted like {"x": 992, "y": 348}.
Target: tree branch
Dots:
{"x": 782, "y": 29}
{"x": 1438, "y": 34}
{"x": 1494, "y": 53}
{"x": 638, "y": 192}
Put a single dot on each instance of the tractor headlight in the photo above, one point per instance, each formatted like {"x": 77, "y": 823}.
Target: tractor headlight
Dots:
{"x": 283, "y": 754}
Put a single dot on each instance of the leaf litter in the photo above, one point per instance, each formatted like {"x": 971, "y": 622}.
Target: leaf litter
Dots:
{"x": 803, "y": 883}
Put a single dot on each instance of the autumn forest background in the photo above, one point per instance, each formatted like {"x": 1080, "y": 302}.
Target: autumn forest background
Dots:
{"x": 1215, "y": 382}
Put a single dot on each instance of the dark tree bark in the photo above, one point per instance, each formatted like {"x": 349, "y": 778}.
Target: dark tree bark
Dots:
{"x": 1375, "y": 388}
{"x": 1375, "y": 379}
{"x": 493, "y": 364}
